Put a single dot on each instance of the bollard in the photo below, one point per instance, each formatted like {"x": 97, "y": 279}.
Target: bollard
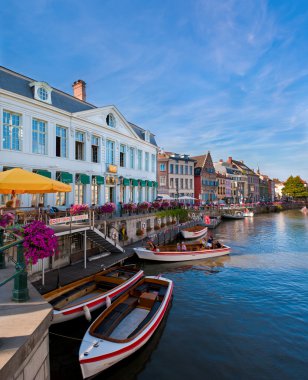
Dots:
{"x": 20, "y": 290}
{"x": 2, "y": 255}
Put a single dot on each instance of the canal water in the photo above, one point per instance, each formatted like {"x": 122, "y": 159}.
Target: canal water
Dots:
{"x": 239, "y": 317}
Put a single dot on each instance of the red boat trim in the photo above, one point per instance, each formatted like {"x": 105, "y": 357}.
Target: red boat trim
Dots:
{"x": 103, "y": 299}
{"x": 190, "y": 252}
{"x": 135, "y": 344}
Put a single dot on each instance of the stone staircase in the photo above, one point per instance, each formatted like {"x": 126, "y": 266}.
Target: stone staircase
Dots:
{"x": 103, "y": 242}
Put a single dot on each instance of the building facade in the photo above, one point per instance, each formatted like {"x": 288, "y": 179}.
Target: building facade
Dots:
{"x": 206, "y": 184}
{"x": 96, "y": 150}
{"x": 175, "y": 175}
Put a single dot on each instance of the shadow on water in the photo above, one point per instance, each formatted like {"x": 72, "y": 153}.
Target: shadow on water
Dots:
{"x": 64, "y": 352}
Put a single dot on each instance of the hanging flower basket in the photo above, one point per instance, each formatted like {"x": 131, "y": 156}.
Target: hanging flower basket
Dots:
{"x": 6, "y": 219}
{"x": 107, "y": 208}
{"x": 79, "y": 209}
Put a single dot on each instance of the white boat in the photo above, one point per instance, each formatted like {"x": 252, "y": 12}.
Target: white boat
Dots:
{"x": 125, "y": 326}
{"x": 88, "y": 294}
{"x": 169, "y": 253}
{"x": 304, "y": 210}
{"x": 248, "y": 213}
{"x": 194, "y": 232}
{"x": 233, "y": 216}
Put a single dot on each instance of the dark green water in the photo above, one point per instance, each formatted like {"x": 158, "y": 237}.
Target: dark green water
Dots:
{"x": 238, "y": 317}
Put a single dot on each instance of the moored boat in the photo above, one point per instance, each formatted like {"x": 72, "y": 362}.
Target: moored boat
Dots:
{"x": 125, "y": 326}
{"x": 194, "y": 232}
{"x": 233, "y": 216}
{"x": 88, "y": 294}
{"x": 248, "y": 213}
{"x": 169, "y": 253}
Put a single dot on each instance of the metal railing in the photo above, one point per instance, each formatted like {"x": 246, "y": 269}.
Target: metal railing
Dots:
{"x": 20, "y": 277}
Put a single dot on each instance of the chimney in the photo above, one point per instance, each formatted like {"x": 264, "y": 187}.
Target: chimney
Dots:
{"x": 80, "y": 89}
{"x": 229, "y": 160}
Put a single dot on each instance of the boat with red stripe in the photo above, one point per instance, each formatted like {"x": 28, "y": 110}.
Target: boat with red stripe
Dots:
{"x": 194, "y": 232}
{"x": 88, "y": 294}
{"x": 126, "y": 325}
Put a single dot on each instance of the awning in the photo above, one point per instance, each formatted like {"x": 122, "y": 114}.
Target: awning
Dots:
{"x": 134, "y": 182}
{"x": 150, "y": 183}
{"x": 84, "y": 179}
{"x": 44, "y": 173}
{"x": 155, "y": 184}
{"x": 66, "y": 177}
{"x": 142, "y": 183}
{"x": 99, "y": 179}
{"x": 125, "y": 182}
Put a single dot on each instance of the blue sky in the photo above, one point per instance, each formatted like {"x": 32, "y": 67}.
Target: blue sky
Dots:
{"x": 227, "y": 76}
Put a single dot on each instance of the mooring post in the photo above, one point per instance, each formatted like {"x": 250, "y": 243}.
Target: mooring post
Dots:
{"x": 20, "y": 291}
{"x": 2, "y": 255}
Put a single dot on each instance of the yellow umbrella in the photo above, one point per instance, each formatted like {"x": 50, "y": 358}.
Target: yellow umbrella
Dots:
{"x": 19, "y": 181}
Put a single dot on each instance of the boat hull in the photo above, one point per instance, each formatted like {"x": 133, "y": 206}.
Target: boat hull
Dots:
{"x": 193, "y": 234}
{"x": 232, "y": 217}
{"x": 146, "y": 254}
{"x": 102, "y": 354}
{"x": 93, "y": 304}
{"x": 248, "y": 214}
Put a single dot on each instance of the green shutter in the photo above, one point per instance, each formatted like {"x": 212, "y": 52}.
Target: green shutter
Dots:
{"x": 143, "y": 183}
{"x": 99, "y": 180}
{"x": 125, "y": 182}
{"x": 84, "y": 179}
{"x": 44, "y": 173}
{"x": 150, "y": 183}
{"x": 66, "y": 177}
{"x": 134, "y": 182}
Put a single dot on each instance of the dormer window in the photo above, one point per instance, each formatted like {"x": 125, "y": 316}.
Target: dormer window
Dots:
{"x": 110, "y": 120}
{"x": 147, "y": 136}
{"x": 41, "y": 91}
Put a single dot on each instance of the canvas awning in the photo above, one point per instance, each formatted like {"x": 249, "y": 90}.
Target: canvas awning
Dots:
{"x": 99, "y": 180}
{"x": 66, "y": 177}
{"x": 134, "y": 182}
{"x": 44, "y": 173}
{"x": 150, "y": 183}
{"x": 142, "y": 182}
{"x": 84, "y": 179}
{"x": 126, "y": 182}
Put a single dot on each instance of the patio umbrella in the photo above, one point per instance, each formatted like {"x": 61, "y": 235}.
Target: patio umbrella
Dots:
{"x": 19, "y": 181}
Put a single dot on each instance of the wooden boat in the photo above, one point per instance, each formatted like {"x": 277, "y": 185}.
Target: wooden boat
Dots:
{"x": 194, "y": 232}
{"x": 88, "y": 294}
{"x": 125, "y": 326}
{"x": 194, "y": 251}
{"x": 212, "y": 221}
{"x": 233, "y": 216}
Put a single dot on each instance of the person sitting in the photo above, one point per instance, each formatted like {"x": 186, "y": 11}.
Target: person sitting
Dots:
{"x": 218, "y": 244}
{"x": 151, "y": 245}
{"x": 203, "y": 242}
{"x": 209, "y": 243}
{"x": 183, "y": 246}
{"x": 178, "y": 247}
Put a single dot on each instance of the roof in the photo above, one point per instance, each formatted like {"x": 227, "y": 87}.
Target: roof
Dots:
{"x": 200, "y": 160}
{"x": 241, "y": 165}
{"x": 19, "y": 84}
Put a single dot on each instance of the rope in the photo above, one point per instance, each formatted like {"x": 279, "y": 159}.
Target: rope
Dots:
{"x": 64, "y": 336}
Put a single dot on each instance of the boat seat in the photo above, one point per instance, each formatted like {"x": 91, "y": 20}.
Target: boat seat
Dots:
{"x": 142, "y": 288}
{"x": 105, "y": 285}
{"x": 70, "y": 293}
{"x": 154, "y": 308}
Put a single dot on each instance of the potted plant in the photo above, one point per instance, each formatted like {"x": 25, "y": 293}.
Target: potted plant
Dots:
{"x": 79, "y": 209}
{"x": 139, "y": 232}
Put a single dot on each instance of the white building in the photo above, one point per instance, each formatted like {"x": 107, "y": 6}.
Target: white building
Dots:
{"x": 95, "y": 149}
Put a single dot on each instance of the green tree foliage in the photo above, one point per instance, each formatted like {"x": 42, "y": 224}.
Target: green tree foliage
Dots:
{"x": 294, "y": 187}
{"x": 180, "y": 214}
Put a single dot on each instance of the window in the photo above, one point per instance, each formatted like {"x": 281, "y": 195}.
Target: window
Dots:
{"x": 42, "y": 93}
{"x": 61, "y": 141}
{"x": 139, "y": 159}
{"x": 177, "y": 185}
{"x": 122, "y": 155}
{"x": 186, "y": 169}
{"x": 153, "y": 158}
{"x": 171, "y": 183}
{"x": 147, "y": 163}
{"x": 39, "y": 136}
{"x": 186, "y": 183}
{"x": 61, "y": 199}
{"x": 171, "y": 168}
{"x": 182, "y": 184}
{"x": 94, "y": 148}
{"x": 190, "y": 170}
{"x": 162, "y": 181}
{"x": 12, "y": 131}
{"x": 79, "y": 145}
{"x": 191, "y": 183}
{"x": 95, "y": 192}
{"x": 162, "y": 167}
{"x": 109, "y": 152}
{"x": 79, "y": 193}
{"x": 181, "y": 169}
{"x": 110, "y": 120}
{"x": 176, "y": 169}
{"x": 132, "y": 157}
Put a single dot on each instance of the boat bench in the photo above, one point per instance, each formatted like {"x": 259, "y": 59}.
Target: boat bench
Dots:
{"x": 155, "y": 307}
{"x": 143, "y": 288}
{"x": 73, "y": 292}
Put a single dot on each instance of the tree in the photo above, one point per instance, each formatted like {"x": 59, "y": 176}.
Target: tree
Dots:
{"x": 295, "y": 188}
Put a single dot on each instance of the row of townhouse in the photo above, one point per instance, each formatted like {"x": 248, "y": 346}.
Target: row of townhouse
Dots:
{"x": 104, "y": 157}
{"x": 231, "y": 181}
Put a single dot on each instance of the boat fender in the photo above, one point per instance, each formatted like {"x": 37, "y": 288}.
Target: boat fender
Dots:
{"x": 108, "y": 301}
{"x": 87, "y": 313}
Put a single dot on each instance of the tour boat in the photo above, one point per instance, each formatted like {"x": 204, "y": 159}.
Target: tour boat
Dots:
{"x": 194, "y": 251}
{"x": 88, "y": 294}
{"x": 125, "y": 326}
{"x": 233, "y": 216}
{"x": 212, "y": 221}
{"x": 194, "y": 232}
